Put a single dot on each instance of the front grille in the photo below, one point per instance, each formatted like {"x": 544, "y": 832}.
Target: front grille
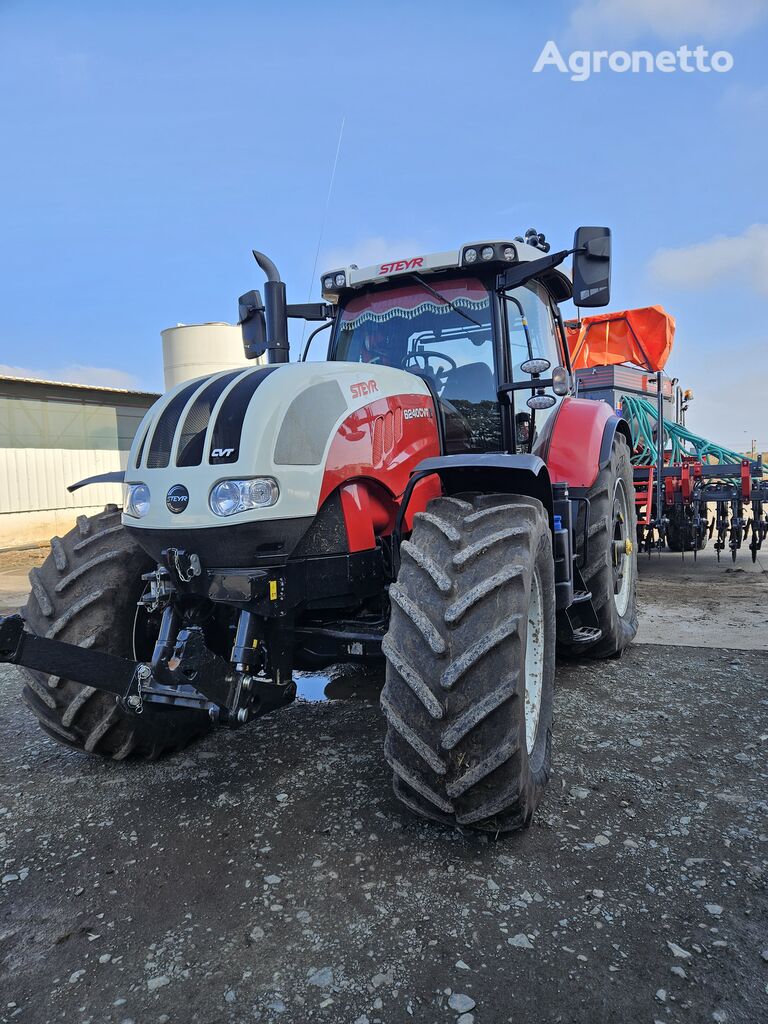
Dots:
{"x": 192, "y": 440}
{"x": 159, "y": 454}
{"x": 140, "y": 452}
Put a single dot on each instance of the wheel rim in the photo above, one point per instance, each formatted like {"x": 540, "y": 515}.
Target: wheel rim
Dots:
{"x": 534, "y": 663}
{"x": 622, "y": 548}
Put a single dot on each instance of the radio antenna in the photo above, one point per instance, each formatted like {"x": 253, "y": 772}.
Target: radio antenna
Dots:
{"x": 323, "y": 221}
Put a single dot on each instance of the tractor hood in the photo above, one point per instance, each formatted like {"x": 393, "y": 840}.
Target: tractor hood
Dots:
{"x": 275, "y": 421}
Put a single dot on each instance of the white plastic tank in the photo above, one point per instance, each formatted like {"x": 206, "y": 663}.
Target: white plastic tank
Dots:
{"x": 194, "y": 350}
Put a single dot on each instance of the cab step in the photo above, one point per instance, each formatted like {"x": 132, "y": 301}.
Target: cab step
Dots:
{"x": 586, "y": 635}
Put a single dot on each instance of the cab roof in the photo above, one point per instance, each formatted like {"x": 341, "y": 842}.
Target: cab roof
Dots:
{"x": 474, "y": 255}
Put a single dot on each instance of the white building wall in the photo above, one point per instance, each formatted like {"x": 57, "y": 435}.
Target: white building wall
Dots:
{"x": 36, "y": 479}
{"x": 34, "y": 501}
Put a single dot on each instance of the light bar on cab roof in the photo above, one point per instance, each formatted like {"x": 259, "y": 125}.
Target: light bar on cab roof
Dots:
{"x": 478, "y": 253}
{"x": 488, "y": 252}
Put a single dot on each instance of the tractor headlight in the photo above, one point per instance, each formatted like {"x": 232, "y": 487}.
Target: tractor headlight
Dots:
{"x": 231, "y": 496}
{"x": 137, "y": 500}
{"x": 486, "y": 252}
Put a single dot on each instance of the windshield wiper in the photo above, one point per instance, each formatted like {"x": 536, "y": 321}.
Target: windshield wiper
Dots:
{"x": 447, "y": 301}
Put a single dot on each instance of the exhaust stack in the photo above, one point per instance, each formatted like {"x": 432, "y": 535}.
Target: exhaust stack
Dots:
{"x": 277, "y": 345}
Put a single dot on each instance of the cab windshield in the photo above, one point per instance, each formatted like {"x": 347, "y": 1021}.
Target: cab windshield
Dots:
{"x": 450, "y": 343}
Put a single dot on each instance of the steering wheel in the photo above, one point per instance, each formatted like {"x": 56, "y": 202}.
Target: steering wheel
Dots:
{"x": 412, "y": 359}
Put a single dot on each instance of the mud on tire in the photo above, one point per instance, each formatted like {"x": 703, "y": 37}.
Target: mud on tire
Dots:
{"x": 455, "y": 692}
{"x": 85, "y": 593}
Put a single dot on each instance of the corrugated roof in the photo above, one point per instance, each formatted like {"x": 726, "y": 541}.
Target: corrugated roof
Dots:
{"x": 81, "y": 387}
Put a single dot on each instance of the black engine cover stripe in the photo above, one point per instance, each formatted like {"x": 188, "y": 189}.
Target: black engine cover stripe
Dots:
{"x": 196, "y": 421}
{"x": 228, "y": 428}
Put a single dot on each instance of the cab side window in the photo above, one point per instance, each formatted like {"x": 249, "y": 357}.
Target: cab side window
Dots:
{"x": 532, "y": 335}
{"x": 529, "y": 307}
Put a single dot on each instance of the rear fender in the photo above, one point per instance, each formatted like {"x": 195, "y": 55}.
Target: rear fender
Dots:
{"x": 582, "y": 440}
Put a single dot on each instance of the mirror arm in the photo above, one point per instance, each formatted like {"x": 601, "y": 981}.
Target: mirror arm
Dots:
{"x": 525, "y": 385}
{"x": 523, "y": 272}
{"x": 310, "y": 310}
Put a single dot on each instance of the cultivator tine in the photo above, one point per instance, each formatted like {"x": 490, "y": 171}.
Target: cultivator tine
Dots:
{"x": 738, "y": 526}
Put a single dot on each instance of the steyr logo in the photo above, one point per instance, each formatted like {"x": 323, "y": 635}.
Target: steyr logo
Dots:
{"x": 363, "y": 388}
{"x": 177, "y": 498}
{"x": 393, "y": 268}
{"x": 222, "y": 453}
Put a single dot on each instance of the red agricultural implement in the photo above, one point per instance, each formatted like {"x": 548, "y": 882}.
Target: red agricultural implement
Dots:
{"x": 687, "y": 489}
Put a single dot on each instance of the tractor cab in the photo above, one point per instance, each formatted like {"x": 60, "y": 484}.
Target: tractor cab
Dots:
{"x": 480, "y": 325}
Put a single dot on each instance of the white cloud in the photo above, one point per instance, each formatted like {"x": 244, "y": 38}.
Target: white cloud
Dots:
{"x": 369, "y": 251}
{"x": 100, "y": 376}
{"x": 625, "y": 20}
{"x": 694, "y": 267}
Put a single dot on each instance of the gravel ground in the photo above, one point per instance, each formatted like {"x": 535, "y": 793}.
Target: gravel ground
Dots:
{"x": 270, "y": 875}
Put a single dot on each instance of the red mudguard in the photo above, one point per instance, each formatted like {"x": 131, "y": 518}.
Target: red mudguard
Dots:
{"x": 576, "y": 441}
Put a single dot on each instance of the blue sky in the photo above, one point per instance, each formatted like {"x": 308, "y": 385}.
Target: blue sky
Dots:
{"x": 148, "y": 147}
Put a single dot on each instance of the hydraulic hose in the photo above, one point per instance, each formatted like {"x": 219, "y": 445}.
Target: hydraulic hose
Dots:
{"x": 678, "y": 442}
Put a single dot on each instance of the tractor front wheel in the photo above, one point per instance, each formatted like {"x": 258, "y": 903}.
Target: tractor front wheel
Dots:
{"x": 86, "y": 593}
{"x": 470, "y": 662}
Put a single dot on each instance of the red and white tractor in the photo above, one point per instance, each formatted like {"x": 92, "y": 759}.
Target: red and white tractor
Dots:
{"x": 431, "y": 493}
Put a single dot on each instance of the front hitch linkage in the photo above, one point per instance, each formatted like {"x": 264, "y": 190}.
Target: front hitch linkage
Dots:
{"x": 191, "y": 664}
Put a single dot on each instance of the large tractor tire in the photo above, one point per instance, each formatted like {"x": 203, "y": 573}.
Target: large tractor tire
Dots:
{"x": 470, "y": 662}
{"x": 85, "y": 593}
{"x": 610, "y": 572}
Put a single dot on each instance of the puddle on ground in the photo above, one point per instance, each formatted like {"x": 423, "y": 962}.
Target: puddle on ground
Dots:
{"x": 340, "y": 682}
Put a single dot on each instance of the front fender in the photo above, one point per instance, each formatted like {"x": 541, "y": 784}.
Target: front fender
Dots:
{"x": 581, "y": 441}
{"x": 492, "y": 474}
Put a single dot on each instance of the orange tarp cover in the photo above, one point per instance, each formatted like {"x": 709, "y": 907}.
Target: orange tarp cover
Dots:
{"x": 640, "y": 336}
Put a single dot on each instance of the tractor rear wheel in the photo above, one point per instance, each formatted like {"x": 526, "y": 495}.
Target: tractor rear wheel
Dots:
{"x": 85, "y": 593}
{"x": 470, "y": 662}
{"x": 610, "y": 572}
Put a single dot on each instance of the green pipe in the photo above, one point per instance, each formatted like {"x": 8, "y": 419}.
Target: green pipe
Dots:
{"x": 642, "y": 418}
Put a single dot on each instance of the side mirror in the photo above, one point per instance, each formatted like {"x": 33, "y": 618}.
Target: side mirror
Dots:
{"x": 592, "y": 267}
{"x": 253, "y": 324}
